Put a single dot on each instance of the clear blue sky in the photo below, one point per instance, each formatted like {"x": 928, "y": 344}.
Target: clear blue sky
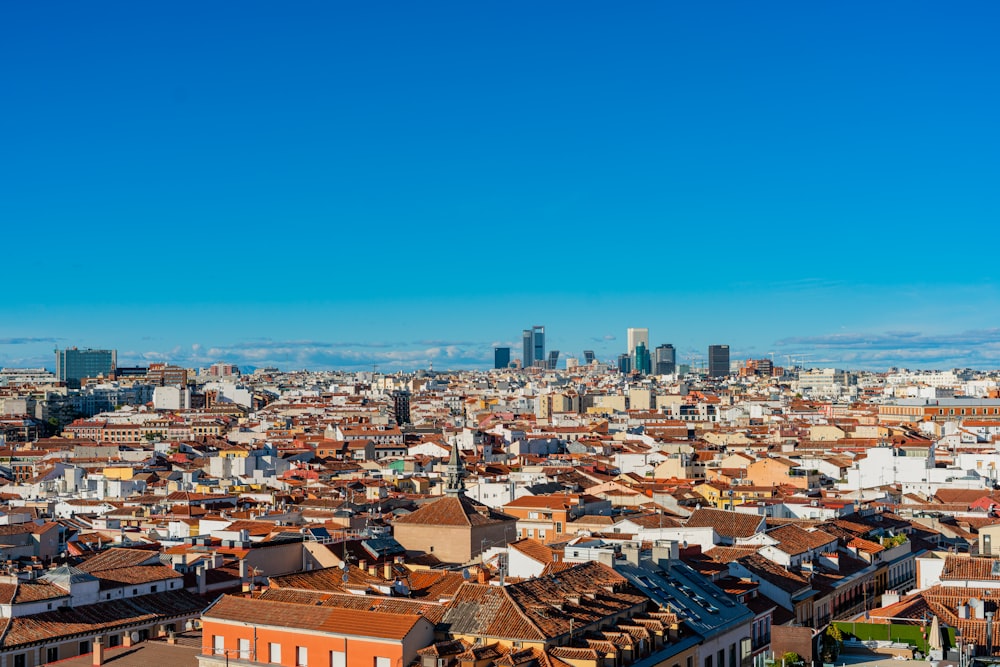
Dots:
{"x": 335, "y": 184}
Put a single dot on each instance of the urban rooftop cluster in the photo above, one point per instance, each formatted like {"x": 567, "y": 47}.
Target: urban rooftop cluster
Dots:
{"x": 641, "y": 512}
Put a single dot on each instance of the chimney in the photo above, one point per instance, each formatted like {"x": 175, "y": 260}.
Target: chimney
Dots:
{"x": 483, "y": 575}
{"x": 631, "y": 551}
{"x": 98, "y": 655}
{"x": 387, "y": 571}
{"x": 127, "y": 640}
{"x": 200, "y": 573}
{"x": 665, "y": 551}
{"x": 363, "y": 565}
{"x": 244, "y": 570}
{"x": 989, "y": 633}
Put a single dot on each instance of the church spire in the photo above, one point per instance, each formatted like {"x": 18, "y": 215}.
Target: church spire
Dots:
{"x": 455, "y": 473}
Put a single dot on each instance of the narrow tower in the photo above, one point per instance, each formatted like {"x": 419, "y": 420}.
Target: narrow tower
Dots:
{"x": 455, "y": 474}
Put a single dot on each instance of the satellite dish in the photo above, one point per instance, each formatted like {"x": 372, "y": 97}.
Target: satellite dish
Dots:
{"x": 345, "y": 578}
{"x": 343, "y": 565}
{"x": 466, "y": 574}
{"x": 189, "y": 625}
{"x": 135, "y": 637}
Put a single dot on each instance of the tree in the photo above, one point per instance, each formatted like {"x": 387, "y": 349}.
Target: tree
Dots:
{"x": 791, "y": 658}
{"x": 832, "y": 639}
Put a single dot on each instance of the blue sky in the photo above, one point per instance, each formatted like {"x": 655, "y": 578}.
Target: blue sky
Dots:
{"x": 336, "y": 185}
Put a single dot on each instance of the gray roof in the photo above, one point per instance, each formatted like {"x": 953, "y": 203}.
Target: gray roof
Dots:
{"x": 65, "y": 575}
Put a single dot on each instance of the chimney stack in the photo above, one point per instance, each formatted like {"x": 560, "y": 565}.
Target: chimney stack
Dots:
{"x": 98, "y": 655}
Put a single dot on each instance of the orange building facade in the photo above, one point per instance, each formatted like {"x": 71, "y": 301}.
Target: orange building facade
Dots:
{"x": 242, "y": 631}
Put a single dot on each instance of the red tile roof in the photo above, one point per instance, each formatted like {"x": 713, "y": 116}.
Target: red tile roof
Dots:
{"x": 322, "y": 619}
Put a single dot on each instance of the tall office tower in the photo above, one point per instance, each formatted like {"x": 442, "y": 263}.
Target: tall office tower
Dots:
{"x": 538, "y": 334}
{"x": 624, "y": 363}
{"x": 501, "y": 357}
{"x": 553, "y": 360}
{"x": 641, "y": 361}
{"x": 527, "y": 349}
{"x": 73, "y": 365}
{"x": 636, "y": 336}
{"x": 665, "y": 359}
{"x": 533, "y": 342}
{"x": 718, "y": 361}
{"x": 588, "y": 357}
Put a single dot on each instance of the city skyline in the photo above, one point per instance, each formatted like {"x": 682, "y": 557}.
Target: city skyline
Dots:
{"x": 459, "y": 355}
{"x": 324, "y": 186}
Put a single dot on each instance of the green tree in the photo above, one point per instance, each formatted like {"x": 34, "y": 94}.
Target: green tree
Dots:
{"x": 832, "y": 639}
{"x": 791, "y": 658}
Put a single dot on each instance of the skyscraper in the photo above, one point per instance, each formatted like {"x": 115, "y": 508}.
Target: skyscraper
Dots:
{"x": 538, "y": 333}
{"x": 624, "y": 363}
{"x": 638, "y": 349}
{"x": 635, "y": 336}
{"x": 718, "y": 361}
{"x": 588, "y": 357}
{"x": 553, "y": 360}
{"x": 533, "y": 343}
{"x": 665, "y": 359}
{"x": 501, "y": 357}
{"x": 641, "y": 360}
{"x": 73, "y": 365}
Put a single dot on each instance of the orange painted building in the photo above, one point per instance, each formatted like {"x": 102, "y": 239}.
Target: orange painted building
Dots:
{"x": 239, "y": 630}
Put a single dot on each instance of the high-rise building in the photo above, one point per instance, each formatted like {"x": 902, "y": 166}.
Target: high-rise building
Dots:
{"x": 641, "y": 362}
{"x": 74, "y": 365}
{"x": 638, "y": 349}
{"x": 635, "y": 336}
{"x": 665, "y": 359}
{"x": 533, "y": 343}
{"x": 624, "y": 363}
{"x": 553, "y": 360}
{"x": 718, "y": 361}
{"x": 538, "y": 333}
{"x": 501, "y": 357}
{"x": 527, "y": 349}
{"x": 588, "y": 357}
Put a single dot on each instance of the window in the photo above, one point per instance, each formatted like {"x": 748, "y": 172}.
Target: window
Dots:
{"x": 135, "y": 591}
{"x": 732, "y": 655}
{"x": 52, "y": 654}
{"x": 708, "y": 661}
{"x": 84, "y": 648}
{"x": 382, "y": 662}
{"x": 558, "y": 527}
{"x": 274, "y": 653}
{"x": 301, "y": 656}
{"x": 338, "y": 659}
{"x": 20, "y": 660}
{"x": 107, "y": 596}
{"x": 114, "y": 640}
{"x": 218, "y": 645}
{"x": 244, "y": 645}
{"x": 152, "y": 589}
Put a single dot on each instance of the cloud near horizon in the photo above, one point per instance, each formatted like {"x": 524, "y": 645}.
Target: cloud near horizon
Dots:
{"x": 977, "y": 348}
{"x": 318, "y": 355}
